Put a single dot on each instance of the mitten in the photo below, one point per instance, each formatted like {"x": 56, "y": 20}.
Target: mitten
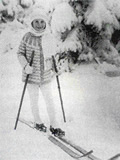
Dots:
{"x": 28, "y": 69}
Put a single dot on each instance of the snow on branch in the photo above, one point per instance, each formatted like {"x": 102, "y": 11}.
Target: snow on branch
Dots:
{"x": 114, "y": 7}
{"x": 63, "y": 18}
{"x": 49, "y": 5}
{"x": 97, "y": 14}
{"x": 71, "y": 43}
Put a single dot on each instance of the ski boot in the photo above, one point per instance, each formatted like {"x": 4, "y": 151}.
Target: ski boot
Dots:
{"x": 57, "y": 132}
{"x": 41, "y": 127}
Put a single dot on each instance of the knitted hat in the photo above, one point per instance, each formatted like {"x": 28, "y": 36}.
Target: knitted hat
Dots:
{"x": 38, "y": 14}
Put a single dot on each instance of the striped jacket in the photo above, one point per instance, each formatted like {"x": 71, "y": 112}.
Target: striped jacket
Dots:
{"x": 29, "y": 44}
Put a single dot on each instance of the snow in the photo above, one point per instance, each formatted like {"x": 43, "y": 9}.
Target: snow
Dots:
{"x": 49, "y": 5}
{"x": 2, "y": 6}
{"x": 9, "y": 36}
{"x": 91, "y": 102}
{"x": 27, "y": 3}
{"x": 114, "y": 7}
{"x": 62, "y": 20}
{"x": 98, "y": 14}
{"x": 71, "y": 43}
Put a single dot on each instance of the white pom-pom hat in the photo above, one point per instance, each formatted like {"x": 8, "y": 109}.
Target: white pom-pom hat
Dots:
{"x": 39, "y": 13}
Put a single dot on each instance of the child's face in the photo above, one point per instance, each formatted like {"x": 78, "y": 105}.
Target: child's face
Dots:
{"x": 39, "y": 24}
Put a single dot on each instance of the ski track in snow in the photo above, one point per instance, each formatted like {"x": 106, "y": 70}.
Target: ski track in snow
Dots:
{"x": 91, "y": 101}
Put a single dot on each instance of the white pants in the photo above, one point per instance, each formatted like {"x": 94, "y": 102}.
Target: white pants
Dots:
{"x": 45, "y": 90}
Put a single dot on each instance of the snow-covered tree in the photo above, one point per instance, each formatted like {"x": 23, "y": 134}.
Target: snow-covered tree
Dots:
{"x": 101, "y": 19}
{"x": 81, "y": 29}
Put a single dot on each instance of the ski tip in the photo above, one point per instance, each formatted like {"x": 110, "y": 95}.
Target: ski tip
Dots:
{"x": 115, "y": 157}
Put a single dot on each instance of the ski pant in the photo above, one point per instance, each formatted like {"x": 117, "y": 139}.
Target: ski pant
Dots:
{"x": 34, "y": 94}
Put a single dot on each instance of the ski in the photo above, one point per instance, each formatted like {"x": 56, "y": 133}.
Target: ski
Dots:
{"x": 64, "y": 144}
{"x": 115, "y": 157}
{"x": 79, "y": 149}
{"x": 59, "y": 142}
{"x": 28, "y": 123}
{"x": 64, "y": 147}
{"x": 84, "y": 152}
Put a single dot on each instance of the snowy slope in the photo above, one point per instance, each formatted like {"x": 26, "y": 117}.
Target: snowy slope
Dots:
{"x": 24, "y": 143}
{"x": 91, "y": 102}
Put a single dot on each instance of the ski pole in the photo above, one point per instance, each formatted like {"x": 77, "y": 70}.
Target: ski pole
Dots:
{"x": 23, "y": 93}
{"x": 58, "y": 83}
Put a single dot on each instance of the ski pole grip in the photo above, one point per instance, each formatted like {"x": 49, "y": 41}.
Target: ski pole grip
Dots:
{"x": 54, "y": 63}
{"x": 32, "y": 56}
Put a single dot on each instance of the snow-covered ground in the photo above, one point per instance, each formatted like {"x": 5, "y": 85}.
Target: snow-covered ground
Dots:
{"x": 91, "y": 102}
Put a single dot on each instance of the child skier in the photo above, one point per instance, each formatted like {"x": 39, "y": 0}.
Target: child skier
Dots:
{"x": 40, "y": 74}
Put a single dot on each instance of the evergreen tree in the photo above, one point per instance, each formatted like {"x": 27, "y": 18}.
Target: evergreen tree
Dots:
{"x": 81, "y": 29}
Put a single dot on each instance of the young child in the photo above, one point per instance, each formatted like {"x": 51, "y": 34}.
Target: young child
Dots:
{"x": 39, "y": 74}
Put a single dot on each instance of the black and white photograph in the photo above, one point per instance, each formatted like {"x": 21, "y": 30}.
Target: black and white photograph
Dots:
{"x": 59, "y": 79}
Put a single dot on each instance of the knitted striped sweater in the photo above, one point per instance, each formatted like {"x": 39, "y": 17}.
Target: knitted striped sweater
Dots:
{"x": 29, "y": 44}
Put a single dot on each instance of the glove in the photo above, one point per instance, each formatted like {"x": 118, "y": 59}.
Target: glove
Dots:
{"x": 28, "y": 69}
